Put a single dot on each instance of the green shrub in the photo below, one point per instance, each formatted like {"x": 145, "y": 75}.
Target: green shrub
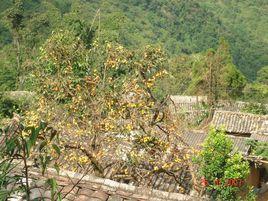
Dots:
{"x": 8, "y": 107}
{"x": 218, "y": 166}
{"x": 259, "y": 148}
{"x": 15, "y": 101}
{"x": 255, "y": 108}
{"x": 7, "y": 77}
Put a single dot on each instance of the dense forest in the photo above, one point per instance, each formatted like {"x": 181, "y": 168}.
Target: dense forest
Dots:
{"x": 185, "y": 30}
{"x": 86, "y": 85}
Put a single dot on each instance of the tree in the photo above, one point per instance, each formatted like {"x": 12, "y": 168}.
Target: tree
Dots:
{"x": 262, "y": 76}
{"x": 222, "y": 77}
{"x": 211, "y": 74}
{"x": 102, "y": 97}
{"x": 258, "y": 90}
{"x": 219, "y": 167}
{"x": 15, "y": 17}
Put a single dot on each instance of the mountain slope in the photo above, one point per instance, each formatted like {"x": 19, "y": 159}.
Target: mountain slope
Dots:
{"x": 179, "y": 26}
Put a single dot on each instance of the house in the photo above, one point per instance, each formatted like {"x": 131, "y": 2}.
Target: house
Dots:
{"x": 238, "y": 123}
{"x": 190, "y": 103}
{"x": 241, "y": 129}
{"x": 261, "y": 134}
{"x": 188, "y": 107}
{"x": 240, "y": 126}
{"x": 250, "y": 127}
{"x": 195, "y": 140}
{"x": 258, "y": 176}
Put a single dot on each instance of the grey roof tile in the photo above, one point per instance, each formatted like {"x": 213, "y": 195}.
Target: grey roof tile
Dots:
{"x": 238, "y": 122}
{"x": 259, "y": 136}
{"x": 195, "y": 139}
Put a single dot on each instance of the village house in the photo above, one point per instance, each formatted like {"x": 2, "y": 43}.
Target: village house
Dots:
{"x": 238, "y": 123}
{"x": 249, "y": 127}
{"x": 241, "y": 127}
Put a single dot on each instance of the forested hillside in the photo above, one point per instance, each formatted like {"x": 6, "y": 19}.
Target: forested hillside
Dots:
{"x": 181, "y": 28}
{"x": 115, "y": 89}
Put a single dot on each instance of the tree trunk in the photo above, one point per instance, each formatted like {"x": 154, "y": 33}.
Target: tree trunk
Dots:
{"x": 18, "y": 59}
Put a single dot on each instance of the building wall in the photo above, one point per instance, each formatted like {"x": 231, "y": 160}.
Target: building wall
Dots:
{"x": 254, "y": 176}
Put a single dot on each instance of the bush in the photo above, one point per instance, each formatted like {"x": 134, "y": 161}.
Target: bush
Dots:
{"x": 256, "y": 91}
{"x": 14, "y": 102}
{"x": 7, "y": 77}
{"x": 255, "y": 108}
{"x": 259, "y": 149}
{"x": 218, "y": 166}
{"x": 8, "y": 107}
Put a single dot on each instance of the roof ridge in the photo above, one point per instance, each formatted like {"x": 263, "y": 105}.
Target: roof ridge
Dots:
{"x": 240, "y": 137}
{"x": 238, "y": 112}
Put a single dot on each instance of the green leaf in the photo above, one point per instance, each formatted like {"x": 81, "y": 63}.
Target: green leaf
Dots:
{"x": 57, "y": 168}
{"x": 53, "y": 134}
{"x": 42, "y": 125}
{"x": 33, "y": 136}
{"x": 10, "y": 145}
{"x": 28, "y": 148}
{"x": 4, "y": 194}
{"x": 44, "y": 162}
{"x": 42, "y": 145}
{"x": 56, "y": 148}
{"x": 53, "y": 185}
{"x": 59, "y": 198}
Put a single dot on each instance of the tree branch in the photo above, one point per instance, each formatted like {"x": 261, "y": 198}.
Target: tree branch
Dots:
{"x": 96, "y": 164}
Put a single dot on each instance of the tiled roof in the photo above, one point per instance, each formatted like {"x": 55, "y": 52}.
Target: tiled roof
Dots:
{"x": 187, "y": 99}
{"x": 238, "y": 122}
{"x": 188, "y": 103}
{"x": 79, "y": 187}
{"x": 240, "y": 144}
{"x": 264, "y": 127}
{"x": 195, "y": 139}
{"x": 259, "y": 137}
{"x": 193, "y": 102}
{"x": 158, "y": 180}
{"x": 262, "y": 133}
